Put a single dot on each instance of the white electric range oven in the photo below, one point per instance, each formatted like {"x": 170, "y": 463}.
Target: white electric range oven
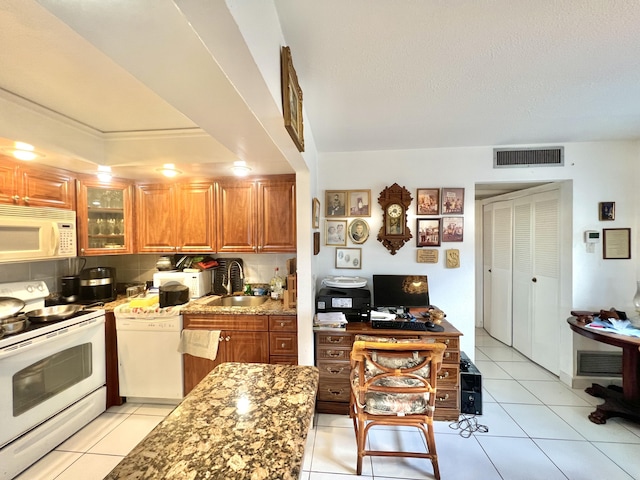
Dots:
{"x": 52, "y": 380}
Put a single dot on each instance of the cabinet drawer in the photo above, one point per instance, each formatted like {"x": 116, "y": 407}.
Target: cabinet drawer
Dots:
{"x": 283, "y": 323}
{"x": 446, "y": 414}
{"x": 283, "y": 360}
{"x": 335, "y": 339}
{"x": 334, "y": 391}
{"x": 283, "y": 343}
{"x": 332, "y": 354}
{"x": 330, "y": 371}
{"x": 451, "y": 357}
{"x": 448, "y": 376}
{"x": 255, "y": 323}
{"x": 452, "y": 343}
{"x": 447, "y": 398}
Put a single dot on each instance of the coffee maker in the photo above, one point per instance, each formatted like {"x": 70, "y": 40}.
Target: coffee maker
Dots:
{"x": 70, "y": 288}
{"x": 98, "y": 284}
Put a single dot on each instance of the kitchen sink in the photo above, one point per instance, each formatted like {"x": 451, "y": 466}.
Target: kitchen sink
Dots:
{"x": 238, "y": 301}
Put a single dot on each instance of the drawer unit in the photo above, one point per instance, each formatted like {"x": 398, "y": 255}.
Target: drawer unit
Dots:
{"x": 283, "y": 339}
{"x": 332, "y": 359}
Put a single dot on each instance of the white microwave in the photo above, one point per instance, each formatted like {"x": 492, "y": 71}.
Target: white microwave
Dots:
{"x": 199, "y": 283}
{"x": 36, "y": 233}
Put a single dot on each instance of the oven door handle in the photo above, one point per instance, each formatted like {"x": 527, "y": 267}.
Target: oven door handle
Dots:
{"x": 37, "y": 341}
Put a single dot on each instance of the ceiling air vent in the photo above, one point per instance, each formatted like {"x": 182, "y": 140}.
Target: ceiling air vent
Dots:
{"x": 528, "y": 157}
{"x": 600, "y": 364}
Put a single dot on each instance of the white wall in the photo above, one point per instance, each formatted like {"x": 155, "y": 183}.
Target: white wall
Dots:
{"x": 601, "y": 171}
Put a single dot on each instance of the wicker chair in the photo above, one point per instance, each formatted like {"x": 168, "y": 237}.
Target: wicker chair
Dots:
{"x": 393, "y": 382}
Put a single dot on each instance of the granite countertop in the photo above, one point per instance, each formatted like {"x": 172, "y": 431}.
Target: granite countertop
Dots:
{"x": 199, "y": 306}
{"x": 244, "y": 421}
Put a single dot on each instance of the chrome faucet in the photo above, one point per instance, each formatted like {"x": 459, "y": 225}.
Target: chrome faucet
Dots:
{"x": 229, "y": 286}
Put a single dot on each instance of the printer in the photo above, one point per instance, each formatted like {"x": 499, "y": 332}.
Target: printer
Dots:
{"x": 355, "y": 303}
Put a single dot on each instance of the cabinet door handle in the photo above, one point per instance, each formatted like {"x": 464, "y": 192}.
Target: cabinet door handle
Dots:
{"x": 444, "y": 375}
{"x": 442, "y": 399}
{"x": 221, "y": 339}
{"x": 16, "y": 198}
{"x": 26, "y": 199}
{"x": 534, "y": 279}
{"x": 227, "y": 338}
{"x": 335, "y": 371}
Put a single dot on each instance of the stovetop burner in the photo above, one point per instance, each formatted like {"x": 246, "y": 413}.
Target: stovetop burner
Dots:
{"x": 35, "y": 329}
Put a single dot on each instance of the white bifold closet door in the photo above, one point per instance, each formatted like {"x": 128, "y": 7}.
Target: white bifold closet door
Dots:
{"x": 536, "y": 277}
{"x": 498, "y": 269}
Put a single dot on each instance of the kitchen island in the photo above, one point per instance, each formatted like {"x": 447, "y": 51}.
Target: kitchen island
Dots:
{"x": 242, "y": 422}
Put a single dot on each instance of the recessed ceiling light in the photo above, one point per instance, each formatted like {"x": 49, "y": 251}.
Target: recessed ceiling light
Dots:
{"x": 104, "y": 173}
{"x": 169, "y": 170}
{"x": 23, "y": 151}
{"x": 240, "y": 168}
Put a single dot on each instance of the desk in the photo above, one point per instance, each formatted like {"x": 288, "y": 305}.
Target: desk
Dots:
{"x": 616, "y": 404}
{"x": 243, "y": 421}
{"x": 332, "y": 359}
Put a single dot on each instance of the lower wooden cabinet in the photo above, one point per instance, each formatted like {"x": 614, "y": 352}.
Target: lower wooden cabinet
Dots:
{"x": 332, "y": 359}
{"x": 243, "y": 338}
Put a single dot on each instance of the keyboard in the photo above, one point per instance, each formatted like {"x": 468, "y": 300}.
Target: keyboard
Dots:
{"x": 406, "y": 325}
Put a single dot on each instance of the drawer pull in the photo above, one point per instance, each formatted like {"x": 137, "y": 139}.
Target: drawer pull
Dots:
{"x": 444, "y": 375}
{"x": 442, "y": 399}
{"x": 282, "y": 324}
{"x": 332, "y": 353}
{"x": 335, "y": 392}
{"x": 335, "y": 371}
{"x": 334, "y": 339}
{"x": 447, "y": 354}
{"x": 283, "y": 345}
{"x": 446, "y": 341}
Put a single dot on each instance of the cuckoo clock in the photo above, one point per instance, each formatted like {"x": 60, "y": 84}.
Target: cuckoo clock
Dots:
{"x": 394, "y": 233}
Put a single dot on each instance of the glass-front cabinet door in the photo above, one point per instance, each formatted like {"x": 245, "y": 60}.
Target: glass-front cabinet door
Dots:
{"x": 104, "y": 217}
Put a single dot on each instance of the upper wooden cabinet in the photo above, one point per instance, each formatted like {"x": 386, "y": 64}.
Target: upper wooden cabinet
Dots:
{"x": 175, "y": 217}
{"x": 256, "y": 215}
{"x": 36, "y": 186}
{"x": 105, "y": 216}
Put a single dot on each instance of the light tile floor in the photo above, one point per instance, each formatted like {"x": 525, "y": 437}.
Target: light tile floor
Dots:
{"x": 538, "y": 429}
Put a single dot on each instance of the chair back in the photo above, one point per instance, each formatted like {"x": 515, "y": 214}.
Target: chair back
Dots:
{"x": 396, "y": 378}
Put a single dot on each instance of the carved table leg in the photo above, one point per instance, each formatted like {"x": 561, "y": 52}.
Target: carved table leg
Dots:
{"x": 615, "y": 405}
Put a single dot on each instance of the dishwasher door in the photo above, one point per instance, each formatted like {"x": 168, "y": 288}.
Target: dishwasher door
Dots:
{"x": 149, "y": 364}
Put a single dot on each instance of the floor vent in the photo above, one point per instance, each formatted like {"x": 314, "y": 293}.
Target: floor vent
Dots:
{"x": 528, "y": 157}
{"x": 600, "y": 364}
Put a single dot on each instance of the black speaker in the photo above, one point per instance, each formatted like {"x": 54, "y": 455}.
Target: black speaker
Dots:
{"x": 470, "y": 387}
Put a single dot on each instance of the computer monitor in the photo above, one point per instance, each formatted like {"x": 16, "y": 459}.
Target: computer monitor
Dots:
{"x": 393, "y": 291}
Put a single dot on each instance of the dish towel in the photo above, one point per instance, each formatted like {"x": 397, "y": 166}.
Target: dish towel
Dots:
{"x": 200, "y": 343}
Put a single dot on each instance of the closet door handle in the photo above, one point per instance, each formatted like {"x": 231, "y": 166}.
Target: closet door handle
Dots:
{"x": 534, "y": 279}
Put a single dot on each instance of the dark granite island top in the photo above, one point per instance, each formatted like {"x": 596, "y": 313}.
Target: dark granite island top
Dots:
{"x": 243, "y": 421}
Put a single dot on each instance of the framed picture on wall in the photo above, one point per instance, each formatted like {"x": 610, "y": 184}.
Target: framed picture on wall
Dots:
{"x": 315, "y": 213}
{"x": 358, "y": 231}
{"x": 607, "y": 211}
{"x": 453, "y": 201}
{"x": 335, "y": 232}
{"x": 348, "y": 258}
{"x": 452, "y": 229}
{"x": 428, "y": 232}
{"x": 428, "y": 201}
{"x": 335, "y": 203}
{"x": 359, "y": 201}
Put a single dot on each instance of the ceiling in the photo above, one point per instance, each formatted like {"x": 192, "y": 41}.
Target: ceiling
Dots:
{"x": 376, "y": 75}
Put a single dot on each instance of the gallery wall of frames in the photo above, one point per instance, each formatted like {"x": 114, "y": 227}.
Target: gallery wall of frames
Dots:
{"x": 439, "y": 215}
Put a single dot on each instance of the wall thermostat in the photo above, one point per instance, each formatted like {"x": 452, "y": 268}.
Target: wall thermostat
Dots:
{"x": 591, "y": 236}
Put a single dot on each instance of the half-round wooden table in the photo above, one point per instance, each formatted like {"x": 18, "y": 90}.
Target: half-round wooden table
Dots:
{"x": 625, "y": 403}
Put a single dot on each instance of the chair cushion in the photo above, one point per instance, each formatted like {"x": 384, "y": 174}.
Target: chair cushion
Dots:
{"x": 378, "y": 403}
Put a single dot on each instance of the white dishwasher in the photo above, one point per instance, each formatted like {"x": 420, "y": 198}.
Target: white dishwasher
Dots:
{"x": 149, "y": 365}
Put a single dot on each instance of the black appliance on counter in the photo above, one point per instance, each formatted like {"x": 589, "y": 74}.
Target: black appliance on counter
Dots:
{"x": 98, "y": 284}
{"x": 355, "y": 303}
{"x": 70, "y": 289}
